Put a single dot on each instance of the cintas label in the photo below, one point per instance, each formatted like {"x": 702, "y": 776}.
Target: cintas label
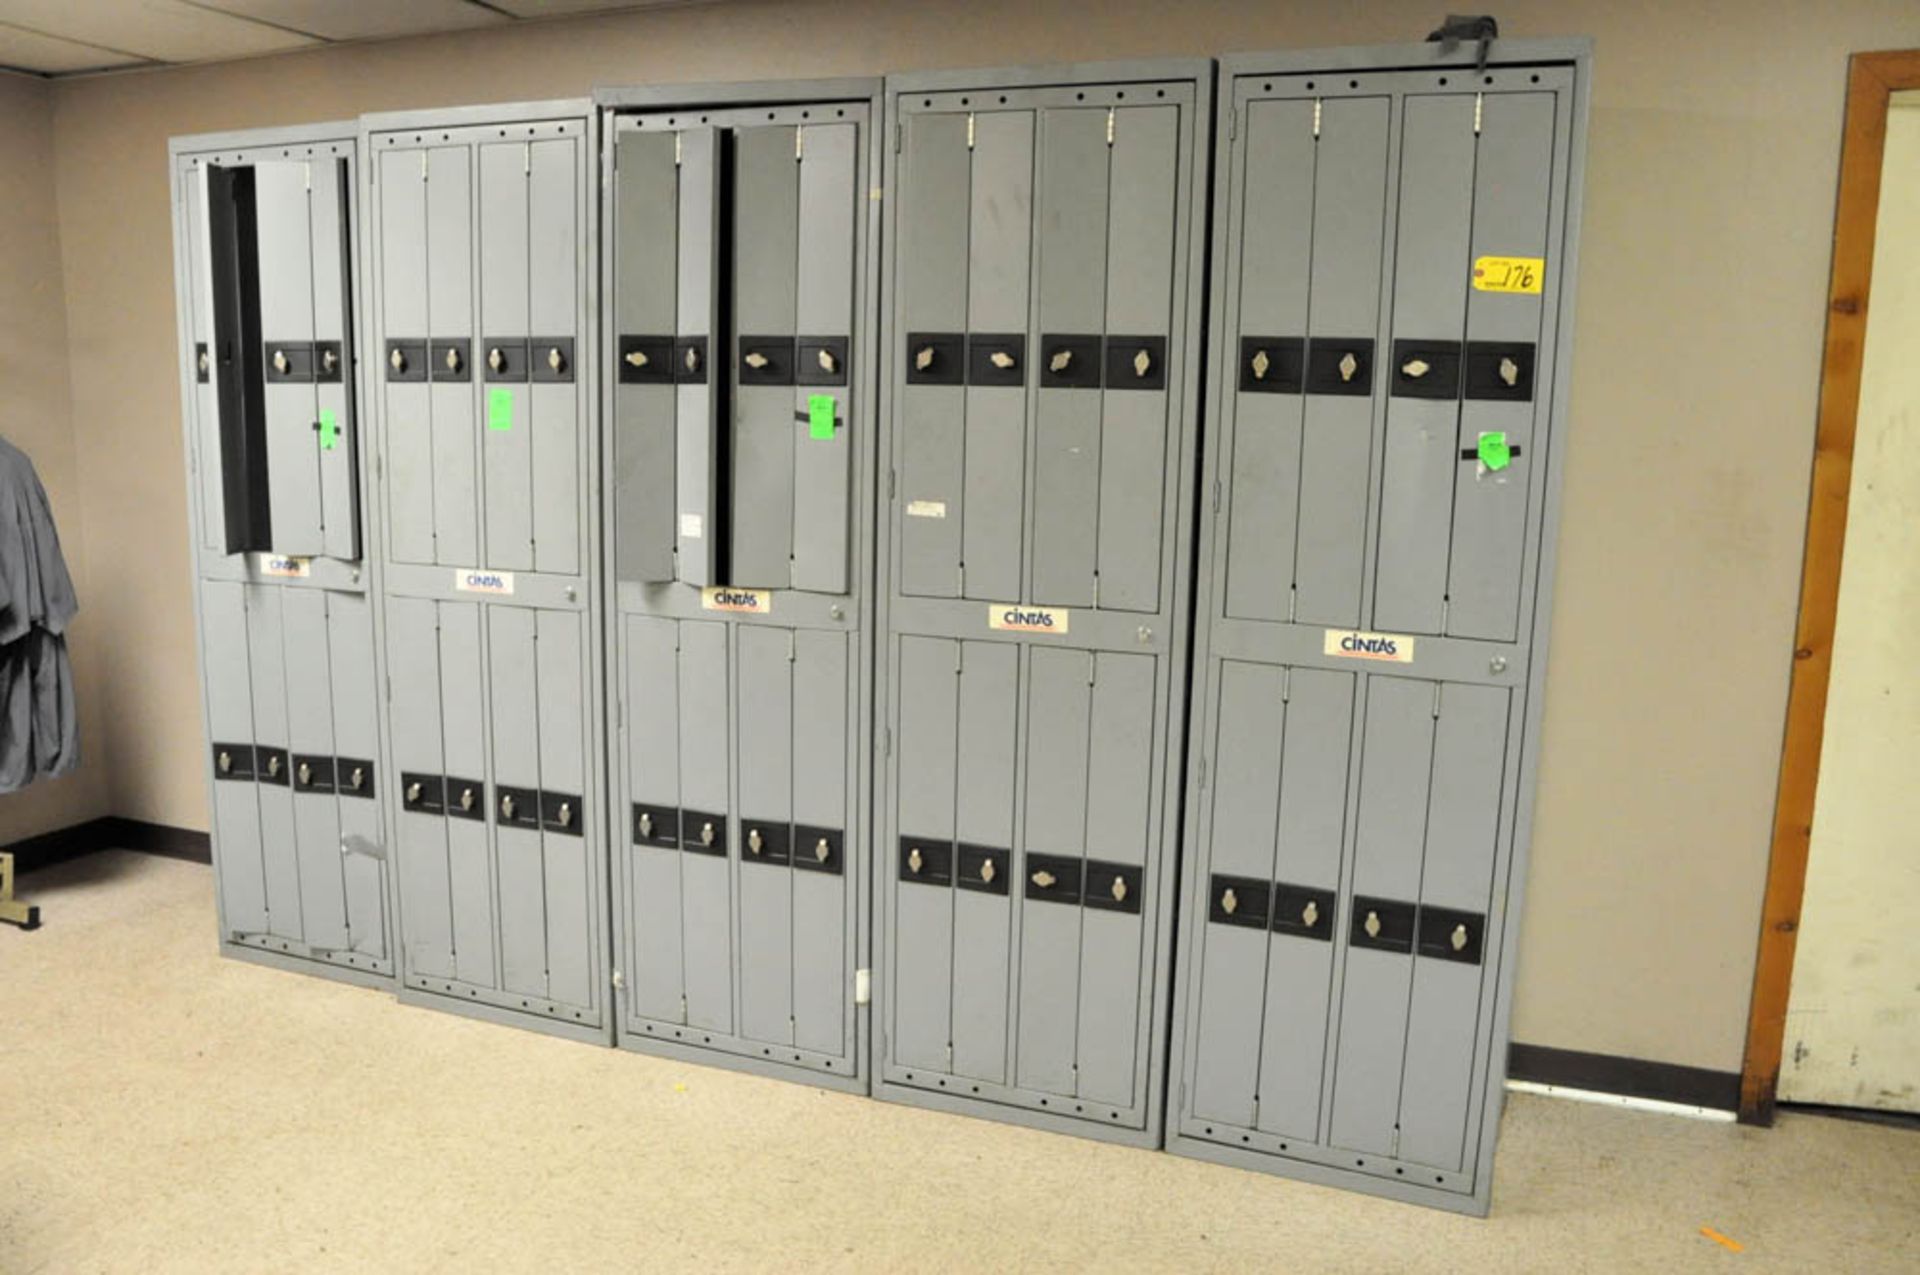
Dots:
{"x": 1394, "y": 648}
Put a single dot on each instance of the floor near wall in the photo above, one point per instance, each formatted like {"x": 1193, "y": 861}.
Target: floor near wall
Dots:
{"x": 163, "y": 1109}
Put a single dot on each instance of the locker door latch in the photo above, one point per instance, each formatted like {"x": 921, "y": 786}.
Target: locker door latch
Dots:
{"x": 754, "y": 841}
{"x": 1119, "y": 890}
{"x": 923, "y": 358}
{"x": 1260, "y": 365}
{"x": 1416, "y": 368}
{"x": 556, "y": 361}
{"x": 397, "y": 360}
{"x": 280, "y": 363}
{"x": 914, "y": 860}
{"x": 987, "y": 872}
{"x": 1229, "y": 901}
{"x": 822, "y": 850}
{"x": 453, "y": 358}
{"x": 706, "y": 833}
{"x": 1372, "y": 925}
{"x": 638, "y": 358}
{"x": 466, "y": 800}
{"x": 225, "y": 762}
{"x": 495, "y": 359}
{"x": 1310, "y": 914}
{"x": 1142, "y": 363}
{"x": 506, "y": 799}
{"x": 1348, "y": 365}
{"x": 1458, "y": 938}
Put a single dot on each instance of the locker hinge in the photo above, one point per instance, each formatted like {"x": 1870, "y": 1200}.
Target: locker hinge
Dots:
{"x": 1436, "y": 699}
{"x": 1286, "y": 684}
{"x": 899, "y": 137}
{"x": 1316, "y": 117}
{"x": 1233, "y": 125}
{"x": 790, "y": 640}
{"x": 799, "y": 146}
{"x": 1479, "y": 100}
{"x": 889, "y": 741}
{"x": 1393, "y": 1146}
{"x": 306, "y": 174}
{"x": 891, "y": 475}
{"x": 960, "y": 580}
{"x": 863, "y": 987}
{"x": 389, "y": 688}
{"x": 1216, "y": 495}
{"x": 423, "y": 166}
{"x": 1096, "y": 602}
{"x": 1109, "y": 126}
{"x": 676, "y": 150}
{"x": 970, "y": 131}
{"x": 526, "y": 158}
{"x": 1203, "y": 772}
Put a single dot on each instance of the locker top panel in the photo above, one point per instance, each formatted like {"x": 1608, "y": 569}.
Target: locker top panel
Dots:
{"x": 465, "y": 116}
{"x": 663, "y": 97}
{"x": 1406, "y": 57}
{"x": 257, "y": 142}
{"x": 1056, "y": 75}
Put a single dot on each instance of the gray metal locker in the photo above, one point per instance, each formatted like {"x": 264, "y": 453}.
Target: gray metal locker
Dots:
{"x": 1393, "y": 280}
{"x": 264, "y": 224}
{"x": 1043, "y": 284}
{"x": 740, "y": 278}
{"x": 483, "y": 288}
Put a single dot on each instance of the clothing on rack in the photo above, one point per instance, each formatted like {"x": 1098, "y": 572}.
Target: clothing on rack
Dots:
{"x": 39, "y": 722}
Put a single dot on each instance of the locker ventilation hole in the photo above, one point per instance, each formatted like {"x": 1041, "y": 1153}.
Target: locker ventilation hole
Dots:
{"x": 840, "y": 113}
{"x": 976, "y": 1088}
{"x": 966, "y": 101}
{"x": 943, "y": 1084}
{"x": 1360, "y": 1163}
{"x": 1400, "y": 1172}
{"x": 1536, "y": 79}
{"x": 1443, "y": 81}
{"x": 1121, "y": 96}
{"x": 1078, "y": 1107}
{"x": 1003, "y": 99}
{"x": 1079, "y": 97}
{"x": 1354, "y": 84}
{"x": 1159, "y": 92}
{"x": 1043, "y": 1102}
{"x": 1309, "y": 86}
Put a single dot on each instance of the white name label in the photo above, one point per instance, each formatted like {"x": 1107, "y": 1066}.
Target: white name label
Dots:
{"x": 1013, "y": 619}
{"x": 1395, "y": 648}
{"x": 752, "y": 601}
{"x": 926, "y": 509}
{"x": 273, "y": 564}
{"x": 483, "y": 581}
{"x": 692, "y": 526}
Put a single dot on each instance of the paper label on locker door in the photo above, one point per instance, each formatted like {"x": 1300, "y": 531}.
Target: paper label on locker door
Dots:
{"x": 750, "y": 601}
{"x": 1019, "y": 619}
{"x": 483, "y": 581}
{"x": 274, "y": 564}
{"x": 1509, "y": 274}
{"x": 1395, "y": 648}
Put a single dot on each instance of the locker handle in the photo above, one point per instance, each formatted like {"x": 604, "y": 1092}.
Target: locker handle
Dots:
{"x": 1142, "y": 363}
{"x": 506, "y": 801}
{"x": 923, "y": 358}
{"x": 638, "y": 358}
{"x": 566, "y": 814}
{"x": 822, "y": 851}
{"x": 1059, "y": 361}
{"x": 280, "y": 364}
{"x": 1260, "y": 364}
{"x": 357, "y": 778}
{"x": 1229, "y": 901}
{"x": 466, "y": 798}
{"x": 1348, "y": 365}
{"x": 305, "y": 774}
{"x": 987, "y": 872}
{"x": 754, "y": 840}
{"x": 206, "y": 362}
{"x": 495, "y": 359}
{"x": 829, "y": 364}
{"x": 273, "y": 765}
{"x": 413, "y": 792}
{"x": 1458, "y": 938}
{"x": 1372, "y": 925}
{"x": 1310, "y": 914}
{"x": 1044, "y": 878}
{"x": 453, "y": 358}
{"x": 914, "y": 861}
{"x": 706, "y": 833}
{"x": 225, "y": 762}
{"x": 646, "y": 823}
{"x": 1119, "y": 890}
{"x": 1416, "y": 368}
{"x": 398, "y": 361}
{"x": 329, "y": 361}
{"x": 556, "y": 360}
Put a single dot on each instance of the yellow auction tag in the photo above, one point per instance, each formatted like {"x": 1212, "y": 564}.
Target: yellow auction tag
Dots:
{"x": 1508, "y": 274}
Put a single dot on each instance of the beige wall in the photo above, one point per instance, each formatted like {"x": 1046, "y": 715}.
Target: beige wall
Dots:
{"x": 1715, "y": 143}
{"x": 35, "y": 417}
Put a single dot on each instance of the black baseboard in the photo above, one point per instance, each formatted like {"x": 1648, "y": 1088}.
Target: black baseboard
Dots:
{"x": 111, "y": 832}
{"x": 1631, "y": 1077}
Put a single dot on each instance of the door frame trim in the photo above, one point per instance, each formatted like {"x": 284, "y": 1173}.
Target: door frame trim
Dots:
{"x": 1872, "y": 79}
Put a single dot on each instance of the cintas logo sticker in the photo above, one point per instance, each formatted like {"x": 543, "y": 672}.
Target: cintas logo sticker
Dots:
{"x": 751, "y": 601}
{"x": 477, "y": 581}
{"x": 1394, "y": 648}
{"x": 1018, "y": 619}
{"x": 275, "y": 564}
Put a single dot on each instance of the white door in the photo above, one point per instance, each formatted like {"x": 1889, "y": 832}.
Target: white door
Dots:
{"x": 1853, "y": 1016}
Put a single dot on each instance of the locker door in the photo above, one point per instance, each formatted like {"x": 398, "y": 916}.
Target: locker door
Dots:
{"x": 206, "y": 411}
{"x": 235, "y": 363}
{"x": 823, "y": 672}
{"x": 1133, "y": 425}
{"x": 339, "y": 433}
{"x": 931, "y": 316}
{"x": 413, "y": 668}
{"x": 1248, "y": 731}
{"x": 471, "y": 877}
{"x": 506, "y": 441}
{"x": 1275, "y": 245}
{"x": 266, "y": 662}
{"x": 1510, "y": 202}
{"x": 1058, "y": 717}
{"x": 316, "y": 812}
{"x": 285, "y": 238}
{"x": 763, "y": 731}
{"x": 706, "y": 871}
{"x": 1396, "y": 765}
{"x": 451, "y": 497}
{"x": 411, "y": 444}
{"x": 553, "y": 424}
{"x": 1119, "y": 789}
{"x": 356, "y": 745}
{"x": 998, "y": 295}
{"x": 989, "y": 698}
{"x": 923, "y": 902}
{"x": 699, "y": 391}
{"x": 765, "y": 245}
{"x": 236, "y": 800}
{"x": 1456, "y": 884}
{"x": 1073, "y": 278}
{"x": 1304, "y": 914}
{"x": 1350, "y": 179}
{"x": 560, "y": 649}
{"x": 1429, "y": 311}
{"x": 513, "y": 682}
{"x": 823, "y": 465}
{"x": 651, "y": 695}
{"x": 646, "y": 257}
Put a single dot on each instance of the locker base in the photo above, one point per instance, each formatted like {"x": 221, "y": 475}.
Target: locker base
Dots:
{"x": 426, "y": 998}
{"x": 753, "y": 1064}
{"x": 1392, "y": 1188}
{"x": 914, "y": 1096}
{"x": 378, "y": 976}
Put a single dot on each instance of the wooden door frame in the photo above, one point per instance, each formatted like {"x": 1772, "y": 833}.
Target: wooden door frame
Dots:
{"x": 1872, "y": 79}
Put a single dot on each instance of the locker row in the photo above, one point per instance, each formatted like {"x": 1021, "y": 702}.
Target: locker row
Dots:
{"x": 744, "y": 574}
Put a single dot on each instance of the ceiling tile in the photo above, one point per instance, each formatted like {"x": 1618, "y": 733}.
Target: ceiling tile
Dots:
{"x": 50, "y": 55}
{"x": 364, "y": 21}
{"x": 168, "y": 30}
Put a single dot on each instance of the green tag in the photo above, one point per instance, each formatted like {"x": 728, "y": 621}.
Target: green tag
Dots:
{"x": 1494, "y": 453}
{"x": 820, "y": 416}
{"x": 499, "y": 408}
{"x": 329, "y": 430}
